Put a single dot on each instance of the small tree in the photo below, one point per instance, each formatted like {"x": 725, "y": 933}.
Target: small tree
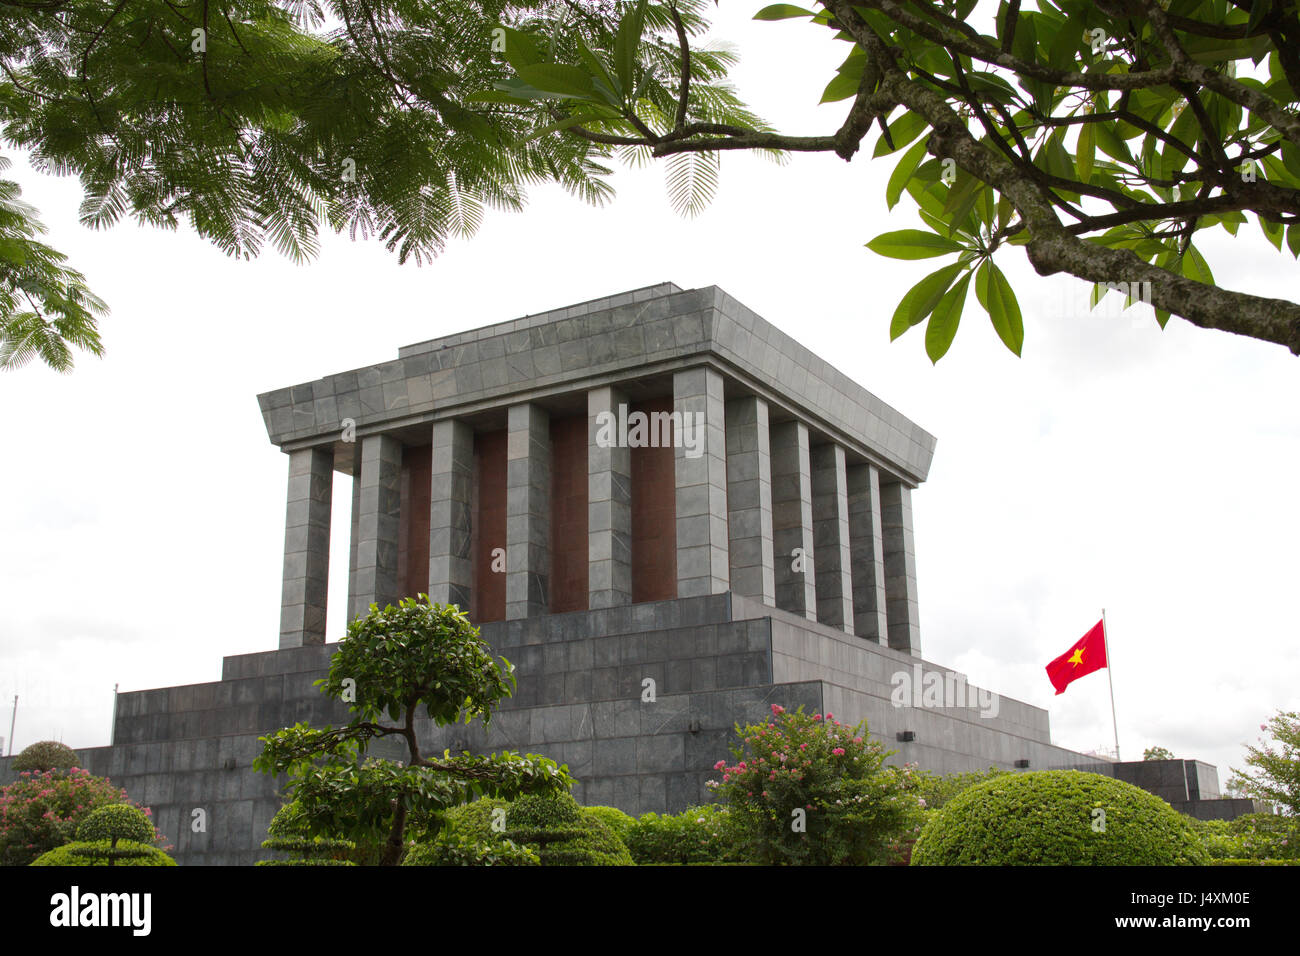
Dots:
{"x": 46, "y": 755}
{"x": 391, "y": 663}
{"x": 1276, "y": 775}
{"x": 809, "y": 790}
{"x": 115, "y": 832}
{"x": 1157, "y": 753}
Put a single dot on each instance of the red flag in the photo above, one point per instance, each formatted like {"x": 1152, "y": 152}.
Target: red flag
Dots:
{"x": 1087, "y": 655}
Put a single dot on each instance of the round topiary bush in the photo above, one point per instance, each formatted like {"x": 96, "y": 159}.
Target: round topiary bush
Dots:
{"x": 614, "y": 818}
{"x": 561, "y": 835}
{"x": 1048, "y": 817}
{"x": 117, "y": 822}
{"x": 70, "y": 855}
{"x": 46, "y": 755}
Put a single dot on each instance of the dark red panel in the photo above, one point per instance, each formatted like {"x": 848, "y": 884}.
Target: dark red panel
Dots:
{"x": 569, "y": 514}
{"x": 413, "y": 531}
{"x": 654, "y": 516}
{"x": 488, "y": 594}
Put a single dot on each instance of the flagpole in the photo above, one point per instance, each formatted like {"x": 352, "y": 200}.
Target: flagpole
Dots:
{"x": 1105, "y": 642}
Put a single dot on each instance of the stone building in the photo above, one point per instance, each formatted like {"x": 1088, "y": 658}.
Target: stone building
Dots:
{"x": 659, "y": 486}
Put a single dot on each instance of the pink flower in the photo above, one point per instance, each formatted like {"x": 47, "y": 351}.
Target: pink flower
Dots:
{"x": 857, "y": 740}
{"x": 830, "y": 716}
{"x": 817, "y": 716}
{"x": 838, "y": 751}
{"x": 741, "y": 765}
{"x": 803, "y": 746}
{"x": 778, "y": 709}
{"x": 726, "y": 778}
{"x": 719, "y": 765}
{"x": 765, "y": 793}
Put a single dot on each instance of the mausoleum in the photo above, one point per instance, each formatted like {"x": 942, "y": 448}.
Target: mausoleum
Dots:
{"x": 666, "y": 512}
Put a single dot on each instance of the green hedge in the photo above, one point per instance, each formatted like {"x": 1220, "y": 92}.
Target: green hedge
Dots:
{"x": 1046, "y": 817}
{"x": 66, "y": 855}
{"x": 1255, "y": 863}
{"x": 1255, "y": 836}
{"x": 698, "y": 835}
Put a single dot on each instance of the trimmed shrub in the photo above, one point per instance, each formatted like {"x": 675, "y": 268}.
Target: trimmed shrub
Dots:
{"x": 1255, "y": 836}
{"x": 120, "y": 821}
{"x": 46, "y": 755}
{"x": 696, "y": 835}
{"x": 1255, "y": 863}
{"x": 561, "y": 835}
{"x": 288, "y": 832}
{"x": 457, "y": 849}
{"x": 1046, "y": 817}
{"x": 612, "y": 817}
{"x": 70, "y": 854}
{"x": 937, "y": 791}
{"x": 42, "y": 810}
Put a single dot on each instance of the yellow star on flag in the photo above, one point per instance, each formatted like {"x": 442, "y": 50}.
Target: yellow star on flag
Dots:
{"x": 1077, "y": 657}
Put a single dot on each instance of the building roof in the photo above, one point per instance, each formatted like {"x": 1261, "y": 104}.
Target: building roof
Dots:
{"x": 634, "y": 335}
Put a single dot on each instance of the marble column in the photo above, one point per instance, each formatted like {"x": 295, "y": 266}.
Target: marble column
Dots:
{"x": 901, "y": 608}
{"x": 831, "y": 561}
{"x": 700, "y": 456}
{"x": 867, "y": 551}
{"x": 451, "y": 482}
{"x": 528, "y": 511}
{"x": 306, "y": 547}
{"x": 380, "y": 508}
{"x": 749, "y": 500}
{"x": 609, "y": 504}
{"x": 792, "y": 522}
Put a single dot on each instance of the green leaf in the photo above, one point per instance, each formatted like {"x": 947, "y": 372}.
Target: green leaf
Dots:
{"x": 902, "y": 173}
{"x": 1198, "y": 270}
{"x": 1086, "y": 151}
{"x": 1293, "y": 239}
{"x": 841, "y": 87}
{"x": 921, "y": 299}
{"x": 901, "y": 132}
{"x": 558, "y": 78}
{"x": 782, "y": 11}
{"x": 999, "y": 301}
{"x": 912, "y": 244}
{"x": 943, "y": 322}
{"x": 626, "y": 43}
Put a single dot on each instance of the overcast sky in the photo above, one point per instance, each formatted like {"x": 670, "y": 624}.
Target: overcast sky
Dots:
{"x": 1114, "y": 465}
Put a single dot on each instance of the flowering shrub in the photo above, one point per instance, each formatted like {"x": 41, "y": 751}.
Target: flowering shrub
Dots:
{"x": 805, "y": 789}
{"x": 41, "y": 811}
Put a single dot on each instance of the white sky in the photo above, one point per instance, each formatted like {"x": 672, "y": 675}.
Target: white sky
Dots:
{"x": 1113, "y": 465}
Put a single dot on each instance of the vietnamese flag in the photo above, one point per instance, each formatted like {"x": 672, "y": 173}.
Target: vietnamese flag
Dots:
{"x": 1087, "y": 655}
